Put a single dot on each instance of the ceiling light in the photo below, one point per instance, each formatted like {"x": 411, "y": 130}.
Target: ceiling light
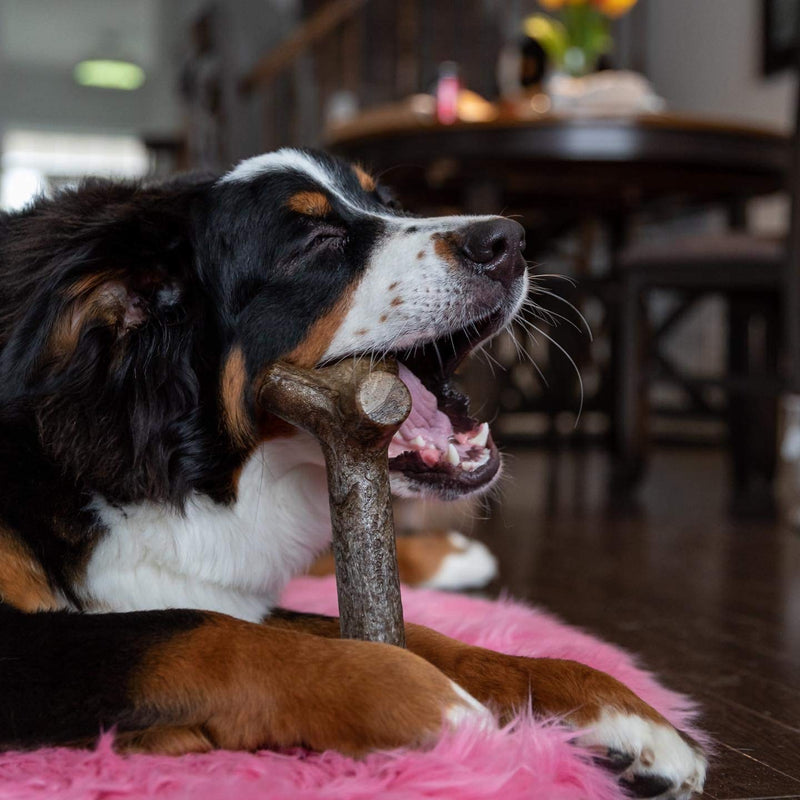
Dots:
{"x": 107, "y": 73}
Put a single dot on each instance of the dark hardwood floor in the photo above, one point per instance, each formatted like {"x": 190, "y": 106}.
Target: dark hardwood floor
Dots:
{"x": 711, "y": 603}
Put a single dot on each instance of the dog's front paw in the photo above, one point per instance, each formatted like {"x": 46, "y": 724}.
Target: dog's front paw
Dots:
{"x": 651, "y": 757}
{"x": 630, "y": 737}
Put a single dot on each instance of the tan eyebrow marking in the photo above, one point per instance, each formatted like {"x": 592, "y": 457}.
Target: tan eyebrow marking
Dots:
{"x": 312, "y": 204}
{"x": 364, "y": 178}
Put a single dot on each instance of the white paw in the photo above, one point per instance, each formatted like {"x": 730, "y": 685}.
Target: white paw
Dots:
{"x": 651, "y": 758}
{"x": 468, "y": 565}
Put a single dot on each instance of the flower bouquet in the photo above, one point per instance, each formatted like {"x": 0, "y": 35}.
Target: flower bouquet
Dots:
{"x": 578, "y": 34}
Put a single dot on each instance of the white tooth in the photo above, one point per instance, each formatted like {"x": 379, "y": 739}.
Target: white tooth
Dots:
{"x": 482, "y": 459}
{"x": 469, "y": 466}
{"x": 452, "y": 455}
{"x": 418, "y": 441}
{"x": 482, "y": 436}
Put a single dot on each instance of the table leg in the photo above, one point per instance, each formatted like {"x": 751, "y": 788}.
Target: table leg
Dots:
{"x": 629, "y": 429}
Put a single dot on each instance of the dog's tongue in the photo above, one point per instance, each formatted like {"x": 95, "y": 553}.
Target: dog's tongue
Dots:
{"x": 429, "y": 432}
{"x": 426, "y": 429}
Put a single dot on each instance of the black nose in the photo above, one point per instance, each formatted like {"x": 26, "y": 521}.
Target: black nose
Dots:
{"x": 494, "y": 248}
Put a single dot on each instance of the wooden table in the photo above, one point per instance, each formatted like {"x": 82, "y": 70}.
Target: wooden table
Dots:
{"x": 559, "y": 171}
{"x": 588, "y": 163}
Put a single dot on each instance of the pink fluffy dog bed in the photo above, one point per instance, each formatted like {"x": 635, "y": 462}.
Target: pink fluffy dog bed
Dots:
{"x": 530, "y": 759}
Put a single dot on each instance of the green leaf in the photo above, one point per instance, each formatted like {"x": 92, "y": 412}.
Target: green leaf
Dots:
{"x": 550, "y": 34}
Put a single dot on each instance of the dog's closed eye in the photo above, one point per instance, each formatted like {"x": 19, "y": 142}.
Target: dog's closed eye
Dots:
{"x": 326, "y": 235}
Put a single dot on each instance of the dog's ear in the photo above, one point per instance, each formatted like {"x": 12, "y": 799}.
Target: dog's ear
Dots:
{"x": 116, "y": 302}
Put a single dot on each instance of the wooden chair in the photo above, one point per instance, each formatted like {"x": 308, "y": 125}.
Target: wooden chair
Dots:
{"x": 760, "y": 281}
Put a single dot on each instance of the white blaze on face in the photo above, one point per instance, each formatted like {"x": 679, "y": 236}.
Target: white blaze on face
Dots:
{"x": 409, "y": 292}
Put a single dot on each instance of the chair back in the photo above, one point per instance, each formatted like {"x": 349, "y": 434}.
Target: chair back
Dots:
{"x": 791, "y": 308}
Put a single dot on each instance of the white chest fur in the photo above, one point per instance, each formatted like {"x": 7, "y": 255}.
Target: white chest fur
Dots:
{"x": 234, "y": 559}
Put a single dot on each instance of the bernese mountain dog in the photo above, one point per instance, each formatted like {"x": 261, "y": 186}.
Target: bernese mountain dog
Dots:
{"x": 150, "y": 515}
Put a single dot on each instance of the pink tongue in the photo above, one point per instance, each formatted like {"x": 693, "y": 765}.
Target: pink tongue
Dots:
{"x": 424, "y": 420}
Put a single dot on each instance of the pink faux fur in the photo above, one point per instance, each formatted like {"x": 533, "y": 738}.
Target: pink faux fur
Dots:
{"x": 530, "y": 759}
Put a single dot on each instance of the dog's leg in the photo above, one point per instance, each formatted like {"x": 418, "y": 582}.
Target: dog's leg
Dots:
{"x": 632, "y": 738}
{"x": 434, "y": 560}
{"x": 178, "y": 681}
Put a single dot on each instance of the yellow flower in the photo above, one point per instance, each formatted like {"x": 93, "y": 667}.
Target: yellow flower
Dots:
{"x": 555, "y": 5}
{"x": 614, "y": 8}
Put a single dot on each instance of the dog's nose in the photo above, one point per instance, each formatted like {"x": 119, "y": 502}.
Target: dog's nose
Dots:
{"x": 494, "y": 248}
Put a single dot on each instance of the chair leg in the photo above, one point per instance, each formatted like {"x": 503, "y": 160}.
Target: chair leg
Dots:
{"x": 629, "y": 426}
{"x": 752, "y": 416}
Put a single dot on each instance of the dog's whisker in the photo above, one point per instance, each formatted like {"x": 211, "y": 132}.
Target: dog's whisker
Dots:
{"x": 524, "y": 354}
{"x": 482, "y": 350}
{"x": 571, "y": 361}
{"x": 553, "y": 275}
{"x": 555, "y": 296}
{"x": 548, "y": 315}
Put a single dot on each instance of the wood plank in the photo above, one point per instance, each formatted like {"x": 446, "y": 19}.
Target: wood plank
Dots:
{"x": 708, "y": 603}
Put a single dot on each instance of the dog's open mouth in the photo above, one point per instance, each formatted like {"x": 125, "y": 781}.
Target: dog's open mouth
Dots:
{"x": 440, "y": 448}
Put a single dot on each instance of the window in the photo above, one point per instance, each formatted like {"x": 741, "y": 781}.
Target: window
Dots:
{"x": 36, "y": 162}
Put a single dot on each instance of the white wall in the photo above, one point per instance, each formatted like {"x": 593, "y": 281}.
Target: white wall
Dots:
{"x": 704, "y": 56}
{"x": 41, "y": 40}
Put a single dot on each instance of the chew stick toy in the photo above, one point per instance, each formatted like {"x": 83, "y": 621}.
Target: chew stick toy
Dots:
{"x": 353, "y": 409}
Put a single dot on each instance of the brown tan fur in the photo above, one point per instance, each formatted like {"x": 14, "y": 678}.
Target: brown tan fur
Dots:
{"x": 444, "y": 247}
{"x": 238, "y": 685}
{"x": 311, "y": 204}
{"x": 273, "y": 427}
{"x": 171, "y": 740}
{"x": 309, "y": 352}
{"x": 23, "y": 583}
{"x": 419, "y": 557}
{"x": 243, "y": 431}
{"x": 366, "y": 180}
{"x": 234, "y": 386}
{"x": 93, "y": 298}
{"x": 507, "y": 683}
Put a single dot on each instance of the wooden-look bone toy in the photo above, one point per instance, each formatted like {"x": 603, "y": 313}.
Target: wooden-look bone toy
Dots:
{"x": 353, "y": 409}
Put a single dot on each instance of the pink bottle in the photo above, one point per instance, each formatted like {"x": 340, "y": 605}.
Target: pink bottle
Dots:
{"x": 447, "y": 88}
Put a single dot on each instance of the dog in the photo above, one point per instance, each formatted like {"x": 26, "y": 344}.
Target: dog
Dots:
{"x": 151, "y": 514}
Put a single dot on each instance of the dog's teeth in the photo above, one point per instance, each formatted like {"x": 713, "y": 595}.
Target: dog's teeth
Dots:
{"x": 418, "y": 441}
{"x": 452, "y": 455}
{"x": 482, "y": 436}
{"x": 471, "y": 466}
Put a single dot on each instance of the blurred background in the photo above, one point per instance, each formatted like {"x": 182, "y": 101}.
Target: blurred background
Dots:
{"x": 649, "y": 405}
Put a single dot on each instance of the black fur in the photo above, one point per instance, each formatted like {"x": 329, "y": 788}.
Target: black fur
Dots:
{"x": 133, "y": 413}
{"x": 119, "y": 303}
{"x": 64, "y": 676}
